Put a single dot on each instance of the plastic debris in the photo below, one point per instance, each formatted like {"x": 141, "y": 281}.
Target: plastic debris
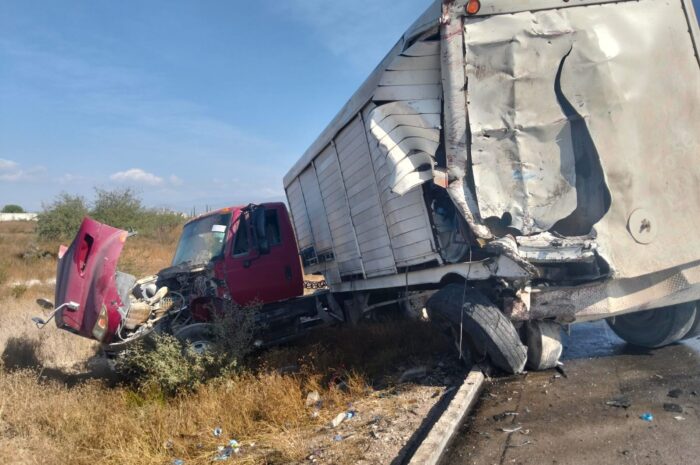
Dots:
{"x": 338, "y": 438}
{"x": 412, "y": 374}
{"x": 679, "y": 418}
{"x": 675, "y": 393}
{"x": 313, "y": 398}
{"x": 674, "y": 408}
{"x": 647, "y": 417}
{"x": 178, "y": 462}
{"x": 338, "y": 420}
{"x": 504, "y": 415}
{"x": 619, "y": 402}
{"x": 350, "y": 414}
{"x": 217, "y": 431}
{"x": 511, "y": 430}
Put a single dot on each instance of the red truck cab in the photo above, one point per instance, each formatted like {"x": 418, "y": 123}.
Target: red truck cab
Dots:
{"x": 245, "y": 254}
{"x": 252, "y": 248}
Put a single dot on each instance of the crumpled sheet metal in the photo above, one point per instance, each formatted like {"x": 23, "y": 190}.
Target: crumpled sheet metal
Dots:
{"x": 407, "y": 130}
{"x": 522, "y": 153}
{"x": 630, "y": 72}
{"x": 408, "y": 133}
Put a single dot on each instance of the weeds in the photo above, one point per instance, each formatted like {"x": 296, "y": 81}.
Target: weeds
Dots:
{"x": 168, "y": 365}
{"x": 18, "y": 290}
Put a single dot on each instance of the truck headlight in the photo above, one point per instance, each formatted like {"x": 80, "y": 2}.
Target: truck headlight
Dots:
{"x": 101, "y": 325}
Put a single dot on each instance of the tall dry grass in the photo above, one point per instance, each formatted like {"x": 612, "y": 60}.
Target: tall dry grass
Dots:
{"x": 53, "y": 412}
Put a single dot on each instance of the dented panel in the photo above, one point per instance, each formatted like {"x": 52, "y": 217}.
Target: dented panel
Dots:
{"x": 522, "y": 152}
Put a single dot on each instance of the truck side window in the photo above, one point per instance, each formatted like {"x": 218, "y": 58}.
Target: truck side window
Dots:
{"x": 273, "y": 228}
{"x": 240, "y": 245}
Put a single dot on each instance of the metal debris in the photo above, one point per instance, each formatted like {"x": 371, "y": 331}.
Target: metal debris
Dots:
{"x": 620, "y": 402}
{"x": 675, "y": 408}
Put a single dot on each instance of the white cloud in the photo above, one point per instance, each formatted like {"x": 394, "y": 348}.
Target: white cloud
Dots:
{"x": 6, "y": 165}
{"x": 175, "y": 181}
{"x": 137, "y": 176}
{"x": 11, "y": 172}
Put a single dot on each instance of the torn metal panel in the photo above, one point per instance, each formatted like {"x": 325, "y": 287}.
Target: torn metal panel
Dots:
{"x": 548, "y": 248}
{"x": 407, "y": 130}
{"x": 522, "y": 154}
{"x": 456, "y": 134}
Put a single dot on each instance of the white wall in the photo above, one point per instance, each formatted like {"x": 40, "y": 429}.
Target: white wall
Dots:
{"x": 18, "y": 216}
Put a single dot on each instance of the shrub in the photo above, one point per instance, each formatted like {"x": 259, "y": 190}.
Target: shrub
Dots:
{"x": 11, "y": 208}
{"x": 61, "y": 219}
{"x": 18, "y": 291}
{"x": 163, "y": 364}
{"x": 120, "y": 208}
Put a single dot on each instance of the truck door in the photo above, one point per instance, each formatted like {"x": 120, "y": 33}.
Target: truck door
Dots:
{"x": 255, "y": 272}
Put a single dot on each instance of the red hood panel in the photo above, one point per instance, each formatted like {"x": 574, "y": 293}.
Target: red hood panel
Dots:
{"x": 86, "y": 275}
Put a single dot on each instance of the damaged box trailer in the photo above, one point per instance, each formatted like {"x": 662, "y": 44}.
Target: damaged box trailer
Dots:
{"x": 534, "y": 158}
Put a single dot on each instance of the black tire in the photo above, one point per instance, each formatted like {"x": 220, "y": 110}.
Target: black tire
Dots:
{"x": 695, "y": 329}
{"x": 487, "y": 330}
{"x": 197, "y": 337}
{"x": 655, "y": 328}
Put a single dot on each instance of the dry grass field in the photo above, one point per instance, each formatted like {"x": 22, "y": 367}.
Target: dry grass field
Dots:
{"x": 56, "y": 408}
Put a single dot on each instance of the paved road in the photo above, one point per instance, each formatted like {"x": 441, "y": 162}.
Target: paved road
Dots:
{"x": 565, "y": 420}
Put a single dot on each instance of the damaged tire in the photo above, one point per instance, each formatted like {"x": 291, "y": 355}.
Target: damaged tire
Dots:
{"x": 485, "y": 329}
{"x": 655, "y": 328}
{"x": 544, "y": 346}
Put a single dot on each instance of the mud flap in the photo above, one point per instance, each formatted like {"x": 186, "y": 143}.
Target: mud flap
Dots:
{"x": 485, "y": 329}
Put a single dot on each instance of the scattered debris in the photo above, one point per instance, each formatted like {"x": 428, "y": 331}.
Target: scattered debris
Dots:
{"x": 313, "y": 398}
{"x": 560, "y": 370}
{"x": 504, "y": 415}
{"x": 225, "y": 452}
{"x": 647, "y": 417}
{"x": 217, "y": 431}
{"x": 679, "y": 418}
{"x": 675, "y": 393}
{"x": 413, "y": 373}
{"x": 675, "y": 408}
{"x": 338, "y": 437}
{"x": 341, "y": 417}
{"x": 168, "y": 444}
{"x": 526, "y": 443}
{"x": 620, "y": 402}
{"x": 178, "y": 462}
{"x": 694, "y": 393}
{"x": 511, "y": 430}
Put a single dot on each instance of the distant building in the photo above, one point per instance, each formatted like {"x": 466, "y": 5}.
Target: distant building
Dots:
{"x": 18, "y": 216}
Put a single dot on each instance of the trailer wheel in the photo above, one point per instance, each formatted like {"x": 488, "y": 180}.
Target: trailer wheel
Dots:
{"x": 695, "y": 329}
{"x": 199, "y": 338}
{"x": 655, "y": 328}
{"x": 543, "y": 344}
{"x": 486, "y": 330}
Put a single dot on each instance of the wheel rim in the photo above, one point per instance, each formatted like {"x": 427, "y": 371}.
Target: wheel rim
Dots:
{"x": 200, "y": 347}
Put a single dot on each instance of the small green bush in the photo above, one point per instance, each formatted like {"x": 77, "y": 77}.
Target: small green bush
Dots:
{"x": 12, "y": 208}
{"x": 163, "y": 364}
{"x": 120, "y": 208}
{"x": 61, "y": 219}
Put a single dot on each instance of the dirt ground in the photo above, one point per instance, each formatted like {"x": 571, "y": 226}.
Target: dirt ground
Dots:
{"x": 581, "y": 419}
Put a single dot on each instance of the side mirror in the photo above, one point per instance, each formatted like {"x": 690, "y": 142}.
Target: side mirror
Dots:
{"x": 45, "y": 304}
{"x": 260, "y": 229}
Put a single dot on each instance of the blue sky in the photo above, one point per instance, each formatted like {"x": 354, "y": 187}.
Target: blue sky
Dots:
{"x": 191, "y": 103}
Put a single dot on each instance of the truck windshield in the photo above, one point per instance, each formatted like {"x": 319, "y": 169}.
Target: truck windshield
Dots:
{"x": 202, "y": 240}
